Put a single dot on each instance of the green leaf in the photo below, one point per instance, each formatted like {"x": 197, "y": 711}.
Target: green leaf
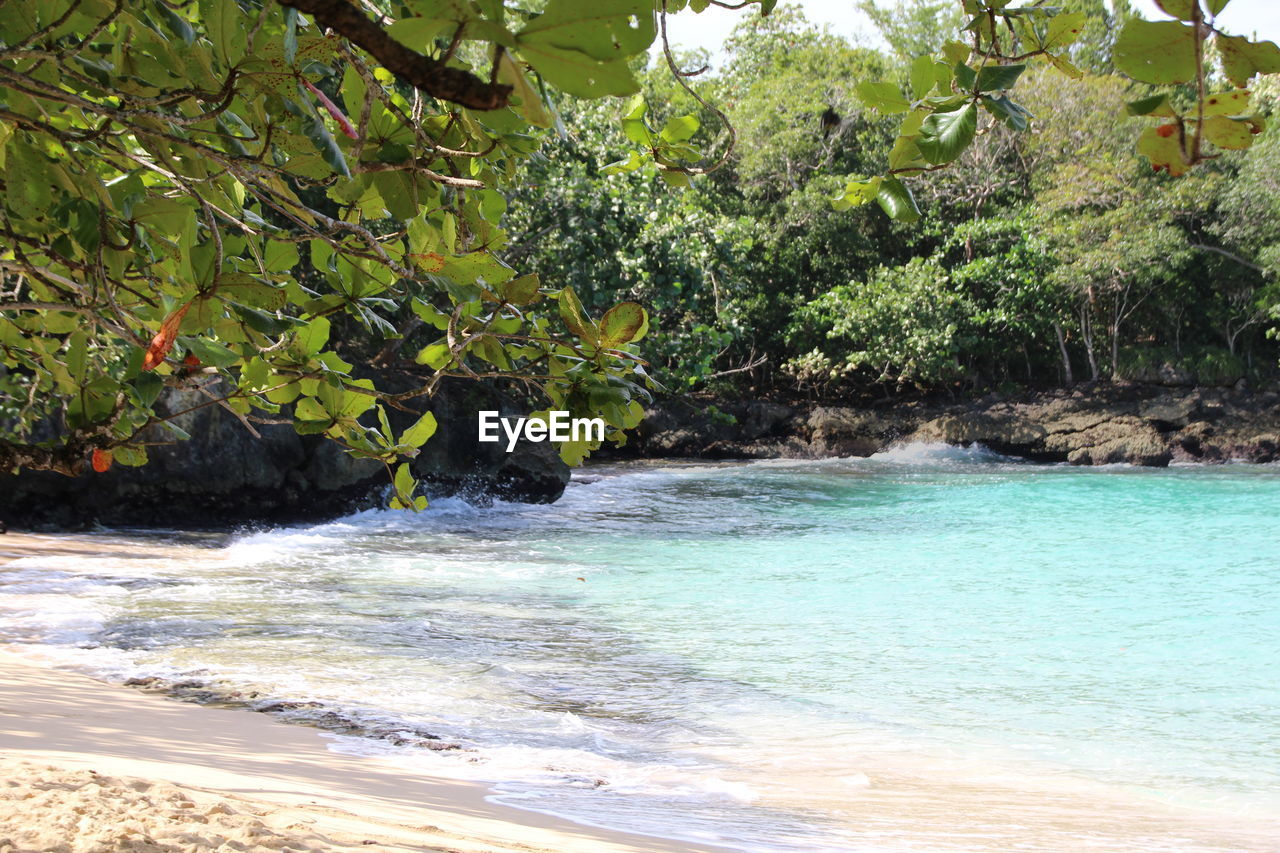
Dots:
{"x": 906, "y": 155}
{"x": 255, "y": 375}
{"x": 993, "y": 78}
{"x": 522, "y": 290}
{"x": 285, "y": 393}
{"x": 885, "y": 97}
{"x": 435, "y": 356}
{"x": 290, "y": 35}
{"x": 76, "y": 356}
{"x": 679, "y": 128}
{"x": 857, "y": 193}
{"x": 531, "y": 106}
{"x": 491, "y": 350}
{"x": 473, "y": 267}
{"x": 574, "y": 318}
{"x": 310, "y": 409}
{"x": 897, "y": 201}
{"x": 280, "y": 257}
{"x": 225, "y": 29}
{"x": 1181, "y": 9}
{"x": 354, "y": 403}
{"x": 1064, "y": 30}
{"x": 601, "y": 29}
{"x": 404, "y": 482}
{"x": 1242, "y": 59}
{"x": 956, "y": 52}
{"x": 1232, "y": 134}
{"x": 1216, "y": 6}
{"x": 675, "y": 178}
{"x": 420, "y": 33}
{"x": 312, "y": 337}
{"x": 632, "y": 163}
{"x": 314, "y": 128}
{"x": 423, "y": 429}
{"x": 584, "y": 48}
{"x": 1227, "y": 104}
{"x": 923, "y": 76}
{"x": 148, "y": 387}
{"x": 622, "y": 324}
{"x": 943, "y": 136}
{"x": 1065, "y": 67}
{"x": 1164, "y": 152}
{"x": 637, "y": 131}
{"x": 430, "y": 314}
{"x": 178, "y": 25}
{"x": 132, "y": 456}
{"x": 1015, "y": 116}
{"x": 210, "y": 352}
{"x": 1157, "y": 52}
{"x": 1155, "y": 105}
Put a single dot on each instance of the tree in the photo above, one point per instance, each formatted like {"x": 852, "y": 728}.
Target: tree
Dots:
{"x": 194, "y": 193}
{"x": 210, "y": 195}
{"x": 972, "y": 83}
{"x": 914, "y": 27}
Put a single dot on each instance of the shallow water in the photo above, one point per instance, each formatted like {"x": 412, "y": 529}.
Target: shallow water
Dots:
{"x": 928, "y": 649}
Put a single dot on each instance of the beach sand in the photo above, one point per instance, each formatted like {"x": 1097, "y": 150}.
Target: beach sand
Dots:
{"x": 88, "y": 766}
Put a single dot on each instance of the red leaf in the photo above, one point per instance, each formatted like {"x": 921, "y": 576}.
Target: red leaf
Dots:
{"x": 101, "y": 460}
{"x": 1166, "y": 130}
{"x": 163, "y": 341}
{"x": 344, "y": 124}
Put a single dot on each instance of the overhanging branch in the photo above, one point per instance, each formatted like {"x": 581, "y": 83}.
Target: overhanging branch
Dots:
{"x": 429, "y": 75}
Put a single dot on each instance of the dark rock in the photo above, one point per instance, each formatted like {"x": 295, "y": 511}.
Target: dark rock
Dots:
{"x": 761, "y": 419}
{"x": 838, "y": 431}
{"x": 1169, "y": 412}
{"x": 1133, "y": 423}
{"x": 224, "y": 476}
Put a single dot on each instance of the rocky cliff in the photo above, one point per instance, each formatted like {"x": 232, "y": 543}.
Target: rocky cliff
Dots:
{"x": 223, "y": 476}
{"x": 1136, "y": 424}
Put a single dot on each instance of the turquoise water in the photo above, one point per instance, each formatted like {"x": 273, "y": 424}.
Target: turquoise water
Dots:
{"x": 929, "y": 649}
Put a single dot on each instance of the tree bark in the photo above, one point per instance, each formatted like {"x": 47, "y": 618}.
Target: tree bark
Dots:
{"x": 1086, "y": 332}
{"x": 422, "y": 72}
{"x": 1067, "y": 375}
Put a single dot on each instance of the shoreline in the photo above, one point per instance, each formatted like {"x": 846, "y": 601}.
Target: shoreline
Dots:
{"x": 916, "y": 800}
{"x": 76, "y": 752}
{"x": 80, "y": 757}
{"x": 223, "y": 480}
{"x": 1139, "y": 424}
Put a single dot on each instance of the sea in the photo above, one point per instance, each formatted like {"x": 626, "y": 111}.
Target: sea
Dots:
{"x": 933, "y": 648}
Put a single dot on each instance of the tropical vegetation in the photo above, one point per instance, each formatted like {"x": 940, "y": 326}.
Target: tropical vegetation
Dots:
{"x": 258, "y": 201}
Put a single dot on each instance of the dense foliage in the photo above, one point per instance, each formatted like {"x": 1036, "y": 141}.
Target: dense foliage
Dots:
{"x": 1044, "y": 254}
{"x": 198, "y": 194}
{"x": 252, "y": 199}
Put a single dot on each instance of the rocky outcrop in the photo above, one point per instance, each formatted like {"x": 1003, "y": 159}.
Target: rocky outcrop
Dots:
{"x": 1135, "y": 424}
{"x": 223, "y": 476}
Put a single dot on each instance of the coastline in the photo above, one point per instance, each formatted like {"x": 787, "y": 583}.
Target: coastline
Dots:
{"x": 98, "y": 766}
{"x": 1146, "y": 425}
{"x": 917, "y": 799}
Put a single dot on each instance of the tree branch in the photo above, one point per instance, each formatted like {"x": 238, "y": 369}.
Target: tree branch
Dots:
{"x": 431, "y": 76}
{"x": 1227, "y": 254}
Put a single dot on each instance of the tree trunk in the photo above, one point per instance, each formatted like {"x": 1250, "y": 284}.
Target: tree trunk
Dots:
{"x": 1086, "y": 332}
{"x": 1116, "y": 309}
{"x": 1067, "y": 375}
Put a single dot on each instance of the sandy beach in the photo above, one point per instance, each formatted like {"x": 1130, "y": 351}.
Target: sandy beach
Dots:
{"x": 87, "y": 766}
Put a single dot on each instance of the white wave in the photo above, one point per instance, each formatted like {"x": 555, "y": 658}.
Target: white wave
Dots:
{"x": 925, "y": 452}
